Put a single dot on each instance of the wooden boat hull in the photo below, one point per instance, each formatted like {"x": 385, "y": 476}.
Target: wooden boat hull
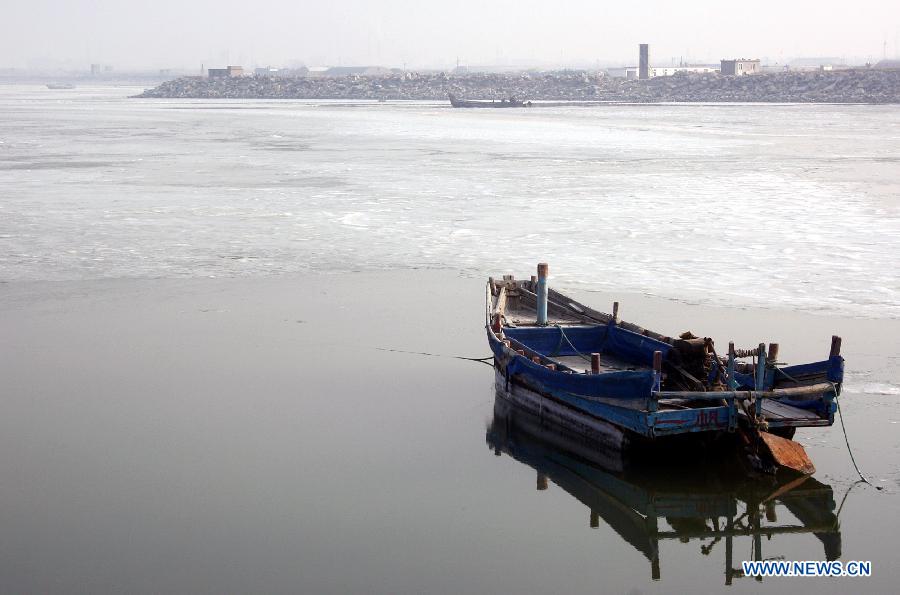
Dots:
{"x": 628, "y": 392}
{"x": 629, "y": 412}
{"x": 564, "y": 416}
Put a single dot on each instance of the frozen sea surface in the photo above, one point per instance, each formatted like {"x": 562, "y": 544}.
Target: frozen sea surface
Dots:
{"x": 771, "y": 205}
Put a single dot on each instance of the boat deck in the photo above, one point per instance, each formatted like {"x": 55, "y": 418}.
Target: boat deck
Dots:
{"x": 524, "y": 316}
{"x": 608, "y": 363}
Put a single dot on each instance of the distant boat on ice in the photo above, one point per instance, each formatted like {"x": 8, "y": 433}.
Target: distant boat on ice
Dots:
{"x": 511, "y": 102}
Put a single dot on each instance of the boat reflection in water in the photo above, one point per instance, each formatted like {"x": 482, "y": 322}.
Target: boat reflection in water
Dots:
{"x": 653, "y": 498}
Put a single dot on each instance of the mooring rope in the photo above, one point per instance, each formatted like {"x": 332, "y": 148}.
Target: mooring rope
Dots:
{"x": 847, "y": 440}
{"x": 563, "y": 336}
{"x": 484, "y": 360}
{"x": 785, "y": 374}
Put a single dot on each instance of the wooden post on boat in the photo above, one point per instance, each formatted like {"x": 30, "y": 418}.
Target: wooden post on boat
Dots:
{"x": 732, "y": 384}
{"x": 615, "y": 316}
{"x": 835, "y": 346}
{"x": 595, "y": 519}
{"x": 657, "y": 368}
{"x": 595, "y": 363}
{"x": 773, "y": 352}
{"x": 541, "y": 481}
{"x": 760, "y": 375}
{"x": 543, "y": 269}
{"x": 657, "y": 379}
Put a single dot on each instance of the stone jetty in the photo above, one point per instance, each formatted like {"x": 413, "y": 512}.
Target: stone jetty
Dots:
{"x": 846, "y": 86}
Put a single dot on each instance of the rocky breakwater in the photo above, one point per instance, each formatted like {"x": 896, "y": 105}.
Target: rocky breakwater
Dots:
{"x": 405, "y": 86}
{"x": 849, "y": 86}
{"x": 845, "y": 86}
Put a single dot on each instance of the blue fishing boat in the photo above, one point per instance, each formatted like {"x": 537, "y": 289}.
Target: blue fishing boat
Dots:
{"x": 626, "y": 384}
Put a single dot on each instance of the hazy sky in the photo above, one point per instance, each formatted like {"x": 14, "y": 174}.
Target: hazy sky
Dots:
{"x": 186, "y": 33}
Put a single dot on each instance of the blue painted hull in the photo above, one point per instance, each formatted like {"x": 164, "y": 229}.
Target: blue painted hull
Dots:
{"x": 632, "y": 390}
{"x": 529, "y": 356}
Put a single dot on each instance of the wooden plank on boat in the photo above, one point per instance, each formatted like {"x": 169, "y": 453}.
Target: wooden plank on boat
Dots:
{"x": 577, "y": 307}
{"x": 590, "y": 315}
{"x": 558, "y": 311}
{"x": 787, "y": 453}
{"x": 743, "y": 395}
{"x": 500, "y": 305}
{"x": 775, "y": 410}
{"x": 605, "y": 363}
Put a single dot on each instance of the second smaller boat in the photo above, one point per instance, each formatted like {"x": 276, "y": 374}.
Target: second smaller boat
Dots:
{"x": 510, "y": 102}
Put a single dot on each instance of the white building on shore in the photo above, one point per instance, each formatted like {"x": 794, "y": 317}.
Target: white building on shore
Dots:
{"x": 740, "y": 67}
{"x": 632, "y": 72}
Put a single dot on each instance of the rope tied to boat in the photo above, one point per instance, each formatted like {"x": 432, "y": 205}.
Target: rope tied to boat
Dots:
{"x": 847, "y": 440}
{"x": 483, "y": 360}
{"x": 563, "y": 337}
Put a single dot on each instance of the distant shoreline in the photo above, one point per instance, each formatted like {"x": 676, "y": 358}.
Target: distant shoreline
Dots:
{"x": 863, "y": 86}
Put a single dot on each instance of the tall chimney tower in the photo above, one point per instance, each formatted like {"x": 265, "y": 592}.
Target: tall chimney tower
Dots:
{"x": 644, "y": 64}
